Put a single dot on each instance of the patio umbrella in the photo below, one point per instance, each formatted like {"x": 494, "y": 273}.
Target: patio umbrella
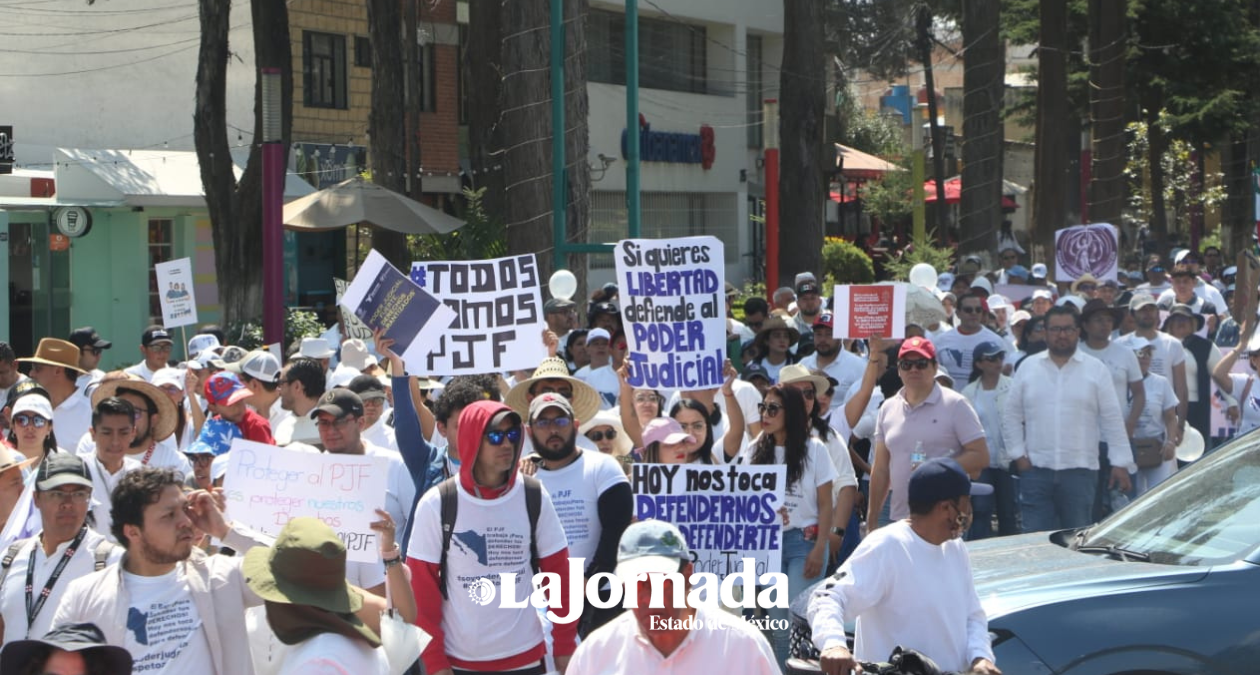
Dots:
{"x": 922, "y": 307}
{"x": 360, "y": 201}
{"x": 953, "y": 192}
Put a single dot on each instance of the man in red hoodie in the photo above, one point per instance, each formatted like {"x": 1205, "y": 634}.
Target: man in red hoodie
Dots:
{"x": 490, "y": 537}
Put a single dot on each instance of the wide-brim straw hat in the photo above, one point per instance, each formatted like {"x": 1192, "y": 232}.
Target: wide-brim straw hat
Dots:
{"x": 54, "y": 352}
{"x": 610, "y": 418}
{"x": 586, "y": 401}
{"x": 773, "y": 323}
{"x": 798, "y": 373}
{"x": 168, "y": 414}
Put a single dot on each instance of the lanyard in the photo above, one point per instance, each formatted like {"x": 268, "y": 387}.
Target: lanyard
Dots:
{"x": 149, "y": 455}
{"x": 34, "y": 605}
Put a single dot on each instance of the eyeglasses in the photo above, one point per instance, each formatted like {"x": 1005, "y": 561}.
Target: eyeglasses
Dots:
{"x": 496, "y": 436}
{"x": 557, "y": 422}
{"x": 769, "y": 409}
{"x": 646, "y": 398}
{"x": 1086, "y": 287}
{"x": 990, "y": 357}
{"x": 329, "y": 424}
{"x": 598, "y": 436}
{"x": 1060, "y": 329}
{"x": 91, "y": 350}
{"x": 970, "y": 310}
{"x": 29, "y": 421}
{"x": 1156, "y": 268}
{"x": 914, "y": 364}
{"x": 78, "y": 496}
{"x": 160, "y": 348}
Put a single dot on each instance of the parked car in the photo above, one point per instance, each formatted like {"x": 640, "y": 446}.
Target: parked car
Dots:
{"x": 1168, "y": 585}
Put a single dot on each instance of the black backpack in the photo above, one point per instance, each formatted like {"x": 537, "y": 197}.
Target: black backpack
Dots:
{"x": 448, "y": 490}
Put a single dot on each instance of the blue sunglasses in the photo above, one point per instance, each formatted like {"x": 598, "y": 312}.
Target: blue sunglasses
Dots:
{"x": 496, "y": 436}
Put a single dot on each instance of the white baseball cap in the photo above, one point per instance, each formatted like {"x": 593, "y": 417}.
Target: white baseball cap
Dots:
{"x": 1039, "y": 271}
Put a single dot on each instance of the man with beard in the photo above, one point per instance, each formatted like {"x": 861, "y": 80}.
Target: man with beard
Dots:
{"x": 808, "y": 304}
{"x": 302, "y": 383}
{"x": 830, "y": 357}
{"x": 174, "y": 608}
{"x": 1060, "y": 405}
{"x": 154, "y": 443}
{"x": 910, "y": 584}
{"x": 956, "y": 346}
{"x": 589, "y": 490}
{"x": 1169, "y": 357}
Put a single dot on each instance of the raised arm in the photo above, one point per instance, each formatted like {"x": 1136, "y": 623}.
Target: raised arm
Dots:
{"x": 734, "y": 438}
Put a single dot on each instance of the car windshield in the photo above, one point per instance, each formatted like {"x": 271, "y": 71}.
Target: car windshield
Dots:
{"x": 1208, "y": 514}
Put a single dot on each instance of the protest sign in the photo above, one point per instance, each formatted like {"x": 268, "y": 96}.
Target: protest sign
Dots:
{"x": 860, "y": 312}
{"x": 1016, "y": 293}
{"x": 673, "y": 310}
{"x": 175, "y": 292}
{"x": 1093, "y": 249}
{"x": 498, "y": 314}
{"x": 726, "y": 513}
{"x": 352, "y": 328}
{"x": 266, "y": 486}
{"x": 383, "y": 298}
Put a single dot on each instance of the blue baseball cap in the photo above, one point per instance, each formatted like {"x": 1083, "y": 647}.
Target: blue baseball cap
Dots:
{"x": 215, "y": 438}
{"x": 986, "y": 348}
{"x": 942, "y": 479}
{"x": 1017, "y": 271}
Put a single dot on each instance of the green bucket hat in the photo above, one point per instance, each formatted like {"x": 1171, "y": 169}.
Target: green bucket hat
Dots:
{"x": 306, "y": 566}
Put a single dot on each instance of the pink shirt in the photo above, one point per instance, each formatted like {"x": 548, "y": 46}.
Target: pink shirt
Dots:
{"x": 944, "y": 422}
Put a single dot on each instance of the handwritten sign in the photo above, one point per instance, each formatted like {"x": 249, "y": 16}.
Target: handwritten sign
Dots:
{"x": 175, "y": 292}
{"x": 352, "y": 327}
{"x": 869, "y": 311}
{"x": 726, "y": 513}
{"x": 1093, "y": 249}
{"x": 498, "y": 313}
{"x": 673, "y": 311}
{"x": 383, "y": 298}
{"x": 266, "y": 487}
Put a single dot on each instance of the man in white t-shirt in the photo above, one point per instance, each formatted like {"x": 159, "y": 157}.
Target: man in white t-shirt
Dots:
{"x": 675, "y": 638}
{"x": 599, "y": 373}
{"x": 91, "y": 346}
{"x": 910, "y": 584}
{"x": 1169, "y": 357}
{"x": 155, "y": 443}
{"x": 1098, "y": 321}
{"x": 954, "y": 349}
{"x": 174, "y": 608}
{"x": 589, "y": 490}
{"x": 155, "y": 350}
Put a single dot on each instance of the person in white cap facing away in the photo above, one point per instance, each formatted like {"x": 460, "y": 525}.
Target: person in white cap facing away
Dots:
{"x": 1039, "y": 272}
{"x": 1154, "y": 450}
{"x": 259, "y": 371}
{"x": 673, "y": 638}
{"x": 910, "y": 583}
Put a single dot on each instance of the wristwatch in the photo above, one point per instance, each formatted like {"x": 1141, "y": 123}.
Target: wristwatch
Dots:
{"x": 838, "y": 531}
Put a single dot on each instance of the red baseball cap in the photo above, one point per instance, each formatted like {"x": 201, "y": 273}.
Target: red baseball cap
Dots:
{"x": 917, "y": 345}
{"x": 824, "y": 320}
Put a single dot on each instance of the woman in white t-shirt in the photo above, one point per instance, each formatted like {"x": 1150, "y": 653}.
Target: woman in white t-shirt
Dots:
{"x": 807, "y": 511}
{"x": 1242, "y": 387}
{"x": 1158, "y": 418}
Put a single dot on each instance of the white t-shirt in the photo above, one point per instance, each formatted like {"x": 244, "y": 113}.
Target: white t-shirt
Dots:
{"x": 605, "y": 381}
{"x": 141, "y": 370}
{"x": 296, "y": 429}
{"x": 277, "y": 414}
{"x": 801, "y": 497}
{"x": 4, "y": 391}
{"x": 771, "y": 369}
{"x": 847, "y": 369}
{"x": 1159, "y": 397}
{"x": 72, "y": 419}
{"x": 382, "y": 435}
{"x": 166, "y": 455}
{"x": 164, "y": 629}
{"x": 575, "y": 491}
{"x": 838, "y": 451}
{"x": 332, "y": 654}
{"x": 1250, "y": 407}
{"x": 986, "y": 406}
{"x": 13, "y": 589}
{"x": 1167, "y": 353}
{"x": 954, "y": 350}
{"x": 490, "y": 537}
{"x": 1121, "y": 362}
{"x": 103, "y": 484}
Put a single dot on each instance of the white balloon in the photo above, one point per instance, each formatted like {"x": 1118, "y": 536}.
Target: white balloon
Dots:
{"x": 562, "y": 285}
{"x": 923, "y": 275}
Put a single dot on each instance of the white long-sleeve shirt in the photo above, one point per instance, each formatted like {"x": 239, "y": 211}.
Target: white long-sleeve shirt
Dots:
{"x": 1056, "y": 416}
{"x": 903, "y": 590}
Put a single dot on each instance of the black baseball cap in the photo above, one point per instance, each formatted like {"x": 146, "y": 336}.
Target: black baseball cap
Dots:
{"x": 62, "y": 468}
{"x": 604, "y": 308}
{"x": 807, "y": 286}
{"x": 367, "y": 387}
{"x": 88, "y": 337}
{"x": 339, "y": 402}
{"x": 155, "y": 334}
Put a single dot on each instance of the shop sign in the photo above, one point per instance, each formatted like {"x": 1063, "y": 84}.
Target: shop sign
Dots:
{"x": 676, "y": 148}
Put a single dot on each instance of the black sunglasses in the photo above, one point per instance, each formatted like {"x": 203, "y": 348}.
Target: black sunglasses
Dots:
{"x": 914, "y": 364}
{"x": 769, "y": 409}
{"x": 598, "y": 436}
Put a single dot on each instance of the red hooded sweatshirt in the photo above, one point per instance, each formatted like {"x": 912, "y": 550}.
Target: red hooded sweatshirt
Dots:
{"x": 487, "y": 517}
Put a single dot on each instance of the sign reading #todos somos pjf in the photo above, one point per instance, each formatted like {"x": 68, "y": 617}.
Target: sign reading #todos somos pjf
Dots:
{"x": 674, "y": 311}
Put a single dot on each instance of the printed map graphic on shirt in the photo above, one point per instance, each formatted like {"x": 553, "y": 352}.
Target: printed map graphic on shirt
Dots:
{"x": 166, "y": 629}
{"x": 956, "y": 355}
{"x": 138, "y": 624}
{"x": 473, "y": 542}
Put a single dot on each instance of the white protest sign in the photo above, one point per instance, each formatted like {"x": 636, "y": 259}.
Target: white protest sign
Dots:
{"x": 725, "y": 512}
{"x": 860, "y": 312}
{"x": 175, "y": 292}
{"x": 674, "y": 312}
{"x": 266, "y": 486}
{"x": 382, "y": 297}
{"x": 353, "y": 327}
{"x": 498, "y": 312}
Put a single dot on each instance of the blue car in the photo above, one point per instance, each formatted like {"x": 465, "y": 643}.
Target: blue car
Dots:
{"x": 1169, "y": 585}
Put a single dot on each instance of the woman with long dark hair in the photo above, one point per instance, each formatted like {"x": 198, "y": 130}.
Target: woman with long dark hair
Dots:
{"x": 807, "y": 513}
{"x": 1032, "y": 340}
{"x": 698, "y": 418}
{"x": 31, "y": 426}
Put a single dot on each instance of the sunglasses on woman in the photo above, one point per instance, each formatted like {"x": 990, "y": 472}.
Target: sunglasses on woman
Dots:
{"x": 598, "y": 436}
{"x": 29, "y": 420}
{"x": 496, "y": 436}
{"x": 769, "y": 409}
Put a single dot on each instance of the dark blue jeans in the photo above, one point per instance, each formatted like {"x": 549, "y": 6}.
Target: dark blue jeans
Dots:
{"x": 1055, "y": 500}
{"x": 1003, "y": 501}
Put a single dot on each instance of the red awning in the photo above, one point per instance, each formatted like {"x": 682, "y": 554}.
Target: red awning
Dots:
{"x": 953, "y": 193}
{"x": 859, "y": 165}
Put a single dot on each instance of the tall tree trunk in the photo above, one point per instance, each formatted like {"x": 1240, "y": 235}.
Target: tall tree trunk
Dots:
{"x": 485, "y": 135}
{"x": 1237, "y": 213}
{"x": 1107, "y": 189}
{"x": 236, "y": 208}
{"x": 387, "y": 118}
{"x": 983, "y": 91}
{"x": 526, "y": 129}
{"x": 1050, "y": 189}
{"x": 577, "y": 144}
{"x": 1157, "y": 144}
{"x": 802, "y": 98}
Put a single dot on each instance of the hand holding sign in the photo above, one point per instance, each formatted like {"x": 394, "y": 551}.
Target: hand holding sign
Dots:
{"x": 383, "y": 298}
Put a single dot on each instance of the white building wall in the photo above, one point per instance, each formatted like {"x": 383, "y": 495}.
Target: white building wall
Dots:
{"x": 116, "y": 74}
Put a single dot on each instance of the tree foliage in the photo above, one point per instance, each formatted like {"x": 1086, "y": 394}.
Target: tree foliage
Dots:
{"x": 845, "y": 263}
{"x": 1182, "y": 190}
{"x": 939, "y": 257}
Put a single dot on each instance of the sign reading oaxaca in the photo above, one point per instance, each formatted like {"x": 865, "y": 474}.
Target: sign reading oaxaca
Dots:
{"x": 673, "y": 311}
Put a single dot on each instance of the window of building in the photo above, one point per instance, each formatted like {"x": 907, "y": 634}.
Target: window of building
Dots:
{"x": 672, "y": 54}
{"x": 428, "y": 78}
{"x": 324, "y": 70}
{"x": 752, "y": 52}
{"x": 664, "y": 215}
{"x": 161, "y": 249}
{"x": 362, "y": 52}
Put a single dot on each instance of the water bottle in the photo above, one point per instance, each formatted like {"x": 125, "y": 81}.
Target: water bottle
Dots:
{"x": 918, "y": 456}
{"x": 1119, "y": 500}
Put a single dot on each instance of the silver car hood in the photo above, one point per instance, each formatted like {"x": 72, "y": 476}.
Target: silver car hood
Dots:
{"x": 1013, "y": 573}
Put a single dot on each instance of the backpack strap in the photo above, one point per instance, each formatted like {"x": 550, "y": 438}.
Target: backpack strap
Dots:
{"x": 11, "y": 555}
{"x": 533, "y": 507}
{"x": 450, "y": 507}
{"x": 100, "y": 555}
